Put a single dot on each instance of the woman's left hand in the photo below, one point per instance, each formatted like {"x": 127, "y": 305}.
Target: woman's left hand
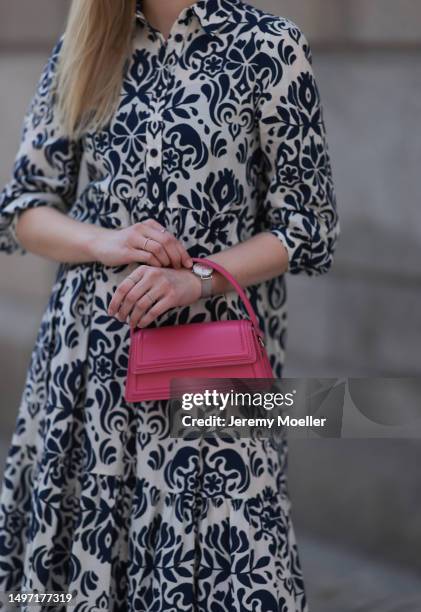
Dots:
{"x": 149, "y": 291}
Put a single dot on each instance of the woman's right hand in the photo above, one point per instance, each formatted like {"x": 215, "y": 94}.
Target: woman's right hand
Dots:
{"x": 124, "y": 246}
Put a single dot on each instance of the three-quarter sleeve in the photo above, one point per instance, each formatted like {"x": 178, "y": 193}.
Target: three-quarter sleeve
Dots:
{"x": 298, "y": 203}
{"x": 46, "y": 167}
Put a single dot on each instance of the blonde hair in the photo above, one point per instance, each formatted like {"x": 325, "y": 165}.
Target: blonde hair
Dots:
{"x": 90, "y": 70}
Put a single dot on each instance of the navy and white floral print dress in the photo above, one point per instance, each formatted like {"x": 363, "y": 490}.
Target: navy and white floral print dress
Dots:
{"x": 219, "y": 134}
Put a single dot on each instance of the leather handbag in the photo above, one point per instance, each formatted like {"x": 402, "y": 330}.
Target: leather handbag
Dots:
{"x": 216, "y": 349}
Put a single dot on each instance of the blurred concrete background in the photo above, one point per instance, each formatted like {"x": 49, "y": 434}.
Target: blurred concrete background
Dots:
{"x": 356, "y": 502}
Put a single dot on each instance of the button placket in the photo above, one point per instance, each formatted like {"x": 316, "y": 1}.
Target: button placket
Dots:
{"x": 173, "y": 51}
{"x": 155, "y": 124}
{"x": 154, "y": 134}
{"x": 168, "y": 52}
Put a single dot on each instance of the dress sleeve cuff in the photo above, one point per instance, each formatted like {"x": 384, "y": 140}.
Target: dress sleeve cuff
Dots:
{"x": 9, "y": 215}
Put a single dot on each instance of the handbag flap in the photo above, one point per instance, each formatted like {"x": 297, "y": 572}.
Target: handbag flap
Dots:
{"x": 178, "y": 347}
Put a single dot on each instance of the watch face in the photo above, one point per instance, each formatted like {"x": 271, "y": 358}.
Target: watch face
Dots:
{"x": 202, "y": 271}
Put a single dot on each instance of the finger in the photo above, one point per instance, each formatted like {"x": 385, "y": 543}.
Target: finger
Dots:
{"x": 155, "y": 311}
{"x": 150, "y": 244}
{"x": 186, "y": 260}
{"x": 157, "y": 289}
{"x": 123, "y": 288}
{"x": 154, "y": 223}
{"x": 169, "y": 244}
{"x": 142, "y": 306}
{"x": 132, "y": 298}
{"x": 145, "y": 257}
{"x": 185, "y": 257}
{"x": 175, "y": 249}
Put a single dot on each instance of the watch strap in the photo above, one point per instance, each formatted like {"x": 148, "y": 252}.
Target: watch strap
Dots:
{"x": 206, "y": 286}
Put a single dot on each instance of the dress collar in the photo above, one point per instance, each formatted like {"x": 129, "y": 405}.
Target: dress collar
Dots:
{"x": 212, "y": 14}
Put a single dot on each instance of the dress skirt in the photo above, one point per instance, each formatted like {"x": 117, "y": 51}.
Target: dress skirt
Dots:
{"x": 99, "y": 501}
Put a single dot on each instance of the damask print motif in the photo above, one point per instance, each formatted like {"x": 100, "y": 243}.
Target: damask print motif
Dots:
{"x": 219, "y": 134}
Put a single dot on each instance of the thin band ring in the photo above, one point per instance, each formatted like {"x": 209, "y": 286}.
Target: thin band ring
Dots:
{"x": 149, "y": 296}
{"x": 146, "y": 242}
{"x": 132, "y": 279}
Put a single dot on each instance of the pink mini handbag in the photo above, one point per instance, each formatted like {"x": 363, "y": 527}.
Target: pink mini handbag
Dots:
{"x": 214, "y": 349}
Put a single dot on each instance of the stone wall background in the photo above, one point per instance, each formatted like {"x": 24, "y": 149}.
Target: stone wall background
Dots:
{"x": 362, "y": 319}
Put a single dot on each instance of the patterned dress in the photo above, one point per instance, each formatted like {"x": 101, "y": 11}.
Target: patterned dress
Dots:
{"x": 219, "y": 134}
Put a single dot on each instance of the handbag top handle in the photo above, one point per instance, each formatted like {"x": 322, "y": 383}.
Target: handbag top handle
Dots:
{"x": 237, "y": 287}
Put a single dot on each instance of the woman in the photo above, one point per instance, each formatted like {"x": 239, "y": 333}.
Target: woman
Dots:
{"x": 203, "y": 135}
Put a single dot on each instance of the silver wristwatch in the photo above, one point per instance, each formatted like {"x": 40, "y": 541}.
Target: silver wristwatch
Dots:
{"x": 205, "y": 274}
